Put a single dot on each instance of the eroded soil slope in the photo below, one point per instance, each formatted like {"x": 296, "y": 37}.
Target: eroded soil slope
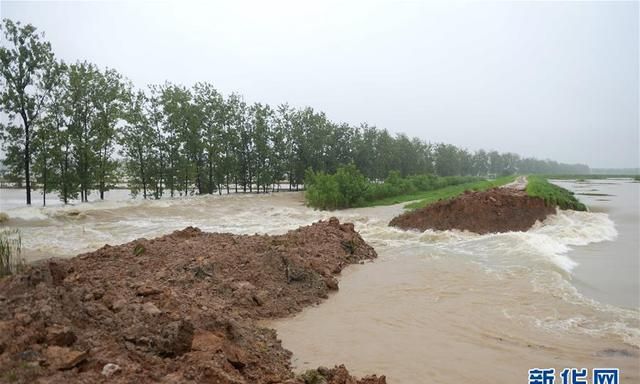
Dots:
{"x": 494, "y": 210}
{"x": 181, "y": 308}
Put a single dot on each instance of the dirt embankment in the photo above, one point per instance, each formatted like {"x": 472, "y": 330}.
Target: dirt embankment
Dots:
{"x": 181, "y": 308}
{"x": 494, "y": 210}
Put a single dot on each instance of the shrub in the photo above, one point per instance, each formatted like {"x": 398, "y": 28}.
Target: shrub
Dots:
{"x": 321, "y": 190}
{"x": 344, "y": 189}
{"x": 351, "y": 185}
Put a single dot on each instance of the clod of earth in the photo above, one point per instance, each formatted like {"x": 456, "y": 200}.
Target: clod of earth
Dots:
{"x": 166, "y": 314}
{"x": 494, "y": 210}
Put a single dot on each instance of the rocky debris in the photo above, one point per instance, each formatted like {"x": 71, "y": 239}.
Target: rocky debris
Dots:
{"x": 110, "y": 369}
{"x": 337, "y": 375}
{"x": 494, "y": 210}
{"x": 151, "y": 309}
{"x": 60, "y": 336}
{"x": 184, "y": 310}
{"x": 62, "y": 358}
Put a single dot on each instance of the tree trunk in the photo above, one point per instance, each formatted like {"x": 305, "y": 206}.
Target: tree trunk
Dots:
{"x": 27, "y": 157}
{"x": 65, "y": 191}
{"x": 44, "y": 183}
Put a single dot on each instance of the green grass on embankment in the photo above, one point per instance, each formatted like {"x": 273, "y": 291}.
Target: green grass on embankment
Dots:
{"x": 450, "y": 192}
{"x": 538, "y": 186}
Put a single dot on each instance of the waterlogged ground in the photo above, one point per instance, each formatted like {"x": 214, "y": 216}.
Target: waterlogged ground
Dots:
{"x": 436, "y": 306}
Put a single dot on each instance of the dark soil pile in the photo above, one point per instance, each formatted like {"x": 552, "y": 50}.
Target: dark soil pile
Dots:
{"x": 181, "y": 308}
{"x": 495, "y": 210}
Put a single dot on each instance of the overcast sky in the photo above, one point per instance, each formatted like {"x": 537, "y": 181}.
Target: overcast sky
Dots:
{"x": 550, "y": 80}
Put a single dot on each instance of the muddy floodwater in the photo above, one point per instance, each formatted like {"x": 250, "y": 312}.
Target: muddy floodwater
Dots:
{"x": 441, "y": 307}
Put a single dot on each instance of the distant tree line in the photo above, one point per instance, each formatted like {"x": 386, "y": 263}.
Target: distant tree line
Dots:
{"x": 75, "y": 128}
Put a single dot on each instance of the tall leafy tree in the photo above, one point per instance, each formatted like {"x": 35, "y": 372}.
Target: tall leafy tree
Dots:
{"x": 157, "y": 121}
{"x": 84, "y": 135}
{"x": 263, "y": 146}
{"x": 210, "y": 103}
{"x": 25, "y": 59}
{"x": 109, "y": 99}
{"x": 137, "y": 138}
{"x": 46, "y": 141}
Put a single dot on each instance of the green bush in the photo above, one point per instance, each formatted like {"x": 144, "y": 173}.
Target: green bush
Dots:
{"x": 321, "y": 190}
{"x": 343, "y": 189}
{"x": 351, "y": 185}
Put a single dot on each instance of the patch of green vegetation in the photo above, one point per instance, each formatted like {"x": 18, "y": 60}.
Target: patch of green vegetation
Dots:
{"x": 138, "y": 250}
{"x": 343, "y": 189}
{"x": 453, "y": 191}
{"x": 538, "y": 186}
{"x": 10, "y": 248}
{"x": 349, "y": 188}
{"x": 312, "y": 376}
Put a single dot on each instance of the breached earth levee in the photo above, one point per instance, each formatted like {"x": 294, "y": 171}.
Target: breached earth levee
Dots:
{"x": 181, "y": 308}
{"x": 492, "y": 211}
{"x": 442, "y": 306}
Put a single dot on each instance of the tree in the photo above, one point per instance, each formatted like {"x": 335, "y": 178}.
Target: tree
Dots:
{"x": 448, "y": 162}
{"x": 137, "y": 138}
{"x": 159, "y": 145}
{"x": 24, "y": 63}
{"x": 83, "y": 133}
{"x": 109, "y": 100}
{"x": 480, "y": 163}
{"x": 46, "y": 140}
{"x": 262, "y": 143}
{"x": 210, "y": 103}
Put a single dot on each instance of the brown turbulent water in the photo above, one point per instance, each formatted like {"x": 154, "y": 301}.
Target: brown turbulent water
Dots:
{"x": 436, "y": 306}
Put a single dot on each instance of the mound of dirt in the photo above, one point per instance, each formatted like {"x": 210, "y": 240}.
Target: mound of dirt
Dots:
{"x": 494, "y": 210}
{"x": 181, "y": 308}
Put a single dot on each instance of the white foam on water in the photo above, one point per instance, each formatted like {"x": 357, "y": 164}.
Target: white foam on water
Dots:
{"x": 577, "y": 228}
{"x": 27, "y": 213}
{"x": 603, "y": 319}
{"x": 541, "y": 255}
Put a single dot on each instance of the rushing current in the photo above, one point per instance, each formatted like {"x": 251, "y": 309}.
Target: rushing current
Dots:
{"x": 435, "y": 306}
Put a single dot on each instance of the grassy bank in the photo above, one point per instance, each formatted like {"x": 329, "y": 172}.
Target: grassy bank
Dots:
{"x": 450, "y": 192}
{"x": 538, "y": 186}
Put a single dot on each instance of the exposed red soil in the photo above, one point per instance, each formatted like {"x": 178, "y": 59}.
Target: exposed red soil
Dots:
{"x": 494, "y": 210}
{"x": 181, "y": 308}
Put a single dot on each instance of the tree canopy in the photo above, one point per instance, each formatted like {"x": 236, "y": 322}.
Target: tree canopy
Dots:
{"x": 78, "y": 129}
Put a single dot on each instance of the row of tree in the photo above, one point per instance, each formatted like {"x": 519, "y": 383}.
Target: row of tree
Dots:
{"x": 75, "y": 128}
